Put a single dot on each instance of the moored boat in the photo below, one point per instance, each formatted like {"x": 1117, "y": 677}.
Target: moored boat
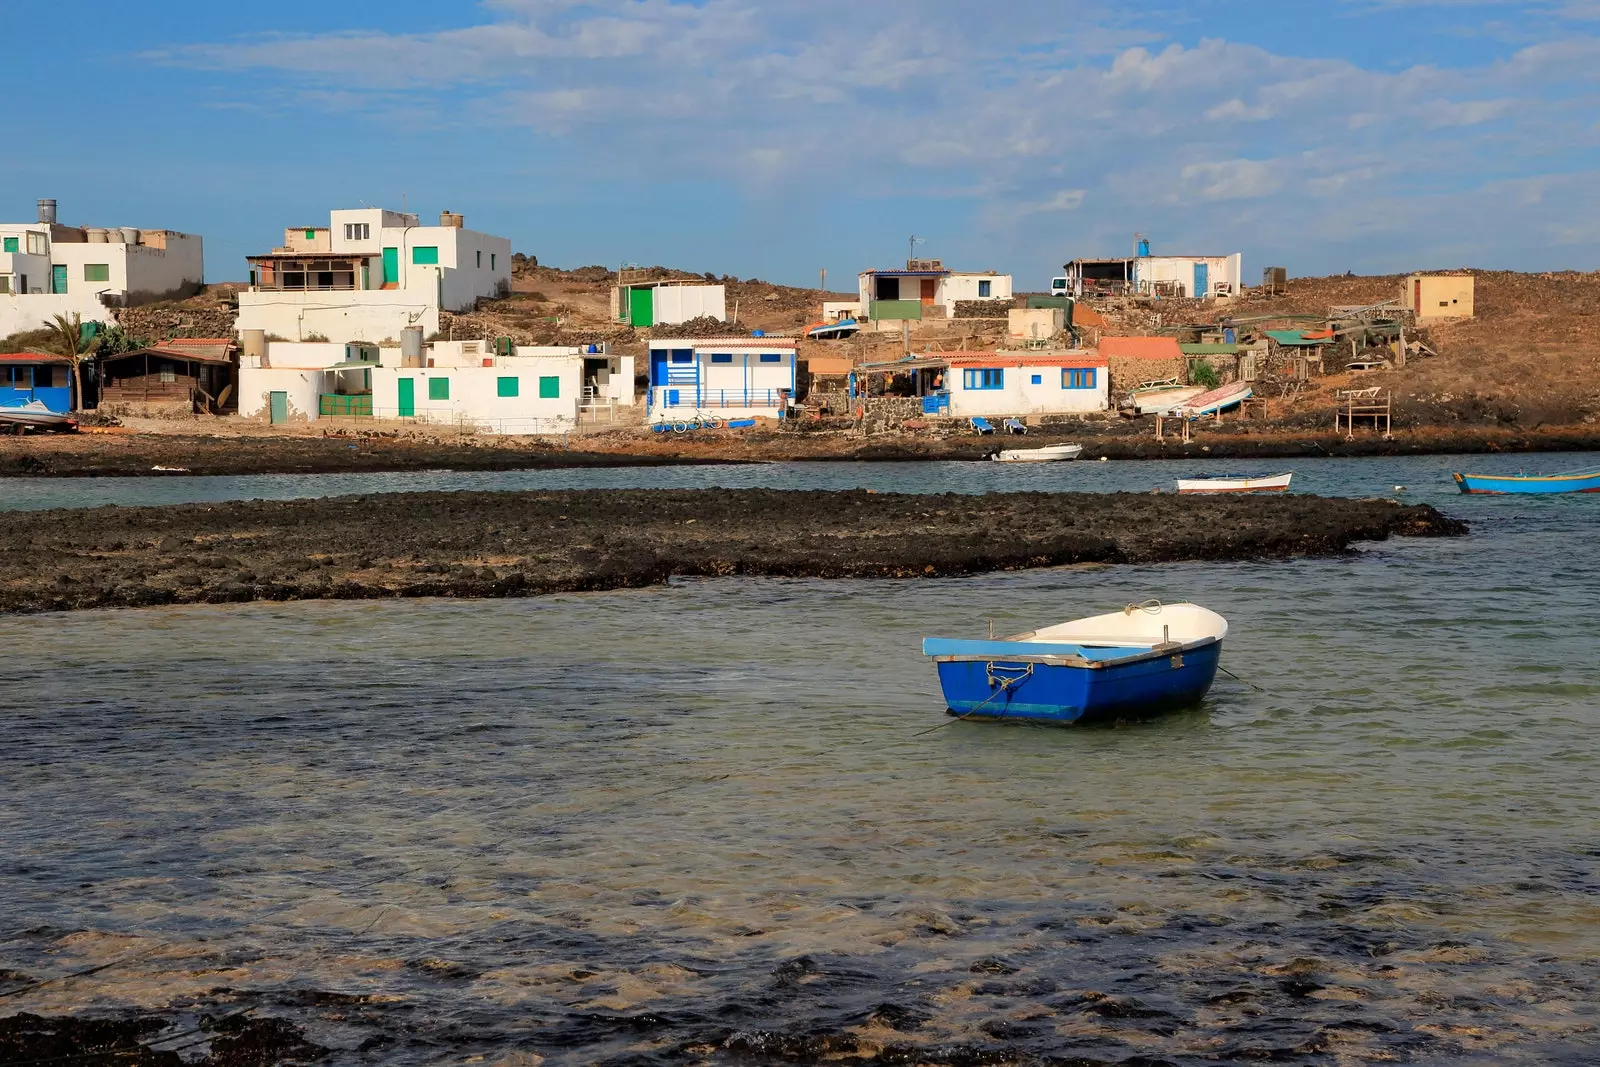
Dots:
{"x": 1571, "y": 482}
{"x": 1142, "y": 659}
{"x": 1046, "y": 454}
{"x": 34, "y": 414}
{"x": 1235, "y": 483}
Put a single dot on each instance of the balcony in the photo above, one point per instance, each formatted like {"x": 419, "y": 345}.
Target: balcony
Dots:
{"x": 303, "y": 274}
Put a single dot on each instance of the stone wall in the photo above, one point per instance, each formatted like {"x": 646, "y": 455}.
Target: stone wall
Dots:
{"x": 983, "y": 309}
{"x": 1127, "y": 372}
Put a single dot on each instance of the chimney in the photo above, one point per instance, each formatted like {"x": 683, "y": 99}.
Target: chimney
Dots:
{"x": 47, "y": 212}
{"x": 455, "y": 222}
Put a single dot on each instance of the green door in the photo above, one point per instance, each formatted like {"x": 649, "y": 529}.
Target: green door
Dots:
{"x": 278, "y": 408}
{"x": 642, "y": 307}
{"x": 58, "y": 279}
{"x": 408, "y": 398}
{"x": 391, "y": 266}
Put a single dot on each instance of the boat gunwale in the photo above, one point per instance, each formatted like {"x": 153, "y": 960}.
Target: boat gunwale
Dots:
{"x": 1056, "y": 659}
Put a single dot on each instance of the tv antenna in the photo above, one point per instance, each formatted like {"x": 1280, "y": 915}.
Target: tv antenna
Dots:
{"x": 913, "y": 251}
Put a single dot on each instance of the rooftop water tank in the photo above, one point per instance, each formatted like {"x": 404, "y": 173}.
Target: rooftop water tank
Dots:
{"x": 47, "y": 212}
{"x": 411, "y": 346}
{"x": 95, "y": 235}
{"x": 130, "y": 235}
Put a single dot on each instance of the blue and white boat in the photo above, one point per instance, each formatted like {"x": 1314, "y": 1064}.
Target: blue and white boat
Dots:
{"x": 1571, "y": 482}
{"x": 1142, "y": 659}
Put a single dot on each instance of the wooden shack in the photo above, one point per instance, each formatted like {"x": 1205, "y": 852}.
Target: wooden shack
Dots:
{"x": 174, "y": 377}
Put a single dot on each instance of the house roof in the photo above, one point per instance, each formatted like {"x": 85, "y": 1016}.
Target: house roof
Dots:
{"x": 1299, "y": 338}
{"x": 1213, "y": 349}
{"x": 910, "y": 273}
{"x": 723, "y": 342}
{"x": 33, "y": 357}
{"x": 1079, "y": 358}
{"x": 1141, "y": 347}
{"x": 214, "y": 356}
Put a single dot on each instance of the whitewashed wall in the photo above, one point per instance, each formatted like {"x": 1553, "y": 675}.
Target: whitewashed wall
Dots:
{"x": 256, "y": 384}
{"x": 680, "y": 303}
{"x": 965, "y": 287}
{"x": 373, "y": 315}
{"x": 1021, "y": 396}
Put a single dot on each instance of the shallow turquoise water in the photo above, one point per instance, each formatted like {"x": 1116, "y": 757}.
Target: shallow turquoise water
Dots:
{"x": 663, "y": 826}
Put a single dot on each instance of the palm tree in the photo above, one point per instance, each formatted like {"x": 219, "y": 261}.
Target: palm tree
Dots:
{"x": 75, "y": 346}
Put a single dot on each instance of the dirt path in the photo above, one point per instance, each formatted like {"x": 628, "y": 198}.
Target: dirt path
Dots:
{"x": 524, "y": 544}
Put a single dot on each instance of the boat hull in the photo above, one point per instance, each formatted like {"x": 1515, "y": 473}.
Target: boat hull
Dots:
{"x": 1040, "y": 691}
{"x": 1275, "y": 484}
{"x": 1501, "y": 485}
{"x": 1049, "y": 454}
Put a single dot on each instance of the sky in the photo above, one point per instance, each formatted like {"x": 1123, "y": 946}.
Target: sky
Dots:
{"x": 775, "y": 139}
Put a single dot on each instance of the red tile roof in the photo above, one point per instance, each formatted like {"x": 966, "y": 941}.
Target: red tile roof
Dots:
{"x": 1141, "y": 347}
{"x": 187, "y": 341}
{"x": 1031, "y": 359}
{"x": 33, "y": 357}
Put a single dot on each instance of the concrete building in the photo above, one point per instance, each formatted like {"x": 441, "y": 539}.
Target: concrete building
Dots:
{"x": 371, "y": 273}
{"x": 1439, "y": 296}
{"x": 463, "y": 384}
{"x": 1195, "y": 277}
{"x": 653, "y": 303}
{"x": 925, "y": 289}
{"x": 47, "y": 269}
{"x": 732, "y": 377}
{"x": 1026, "y": 383}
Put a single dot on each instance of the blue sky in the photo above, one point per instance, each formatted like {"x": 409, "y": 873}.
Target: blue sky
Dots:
{"x": 771, "y": 138}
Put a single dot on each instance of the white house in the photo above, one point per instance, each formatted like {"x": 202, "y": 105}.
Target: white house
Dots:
{"x": 1196, "y": 277}
{"x": 459, "y": 384}
{"x": 925, "y": 289}
{"x": 996, "y": 384}
{"x": 733, "y": 377}
{"x": 656, "y": 303}
{"x": 47, "y": 269}
{"x": 369, "y": 274}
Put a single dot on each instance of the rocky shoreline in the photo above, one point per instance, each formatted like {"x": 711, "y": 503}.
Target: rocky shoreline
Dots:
{"x": 530, "y": 543}
{"x": 136, "y": 455}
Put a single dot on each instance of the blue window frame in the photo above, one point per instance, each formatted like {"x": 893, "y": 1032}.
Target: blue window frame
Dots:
{"x": 986, "y": 378}
{"x": 985, "y": 289}
{"x": 1078, "y": 377}
{"x": 1038, "y": 379}
{"x": 683, "y": 355}
{"x": 771, "y": 357}
{"x": 722, "y": 358}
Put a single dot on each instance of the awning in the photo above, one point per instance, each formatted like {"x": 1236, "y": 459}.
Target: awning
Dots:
{"x": 1297, "y": 339}
{"x": 353, "y": 365}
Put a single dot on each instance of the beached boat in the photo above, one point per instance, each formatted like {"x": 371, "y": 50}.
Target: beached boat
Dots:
{"x": 34, "y": 415}
{"x": 1235, "y": 483}
{"x": 1142, "y": 659}
{"x": 1046, "y": 454}
{"x": 1571, "y": 482}
{"x": 1159, "y": 397}
{"x": 1217, "y": 400}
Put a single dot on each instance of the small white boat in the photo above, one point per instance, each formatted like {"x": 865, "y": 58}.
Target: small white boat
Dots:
{"x": 1235, "y": 483}
{"x": 34, "y": 413}
{"x": 1231, "y": 395}
{"x": 1046, "y": 454}
{"x": 1160, "y": 398}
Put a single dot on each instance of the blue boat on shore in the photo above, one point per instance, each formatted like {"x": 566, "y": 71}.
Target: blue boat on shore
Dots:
{"x": 1140, "y": 660}
{"x": 1570, "y": 482}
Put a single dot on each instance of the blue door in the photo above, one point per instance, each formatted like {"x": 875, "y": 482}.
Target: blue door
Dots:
{"x": 1202, "y": 281}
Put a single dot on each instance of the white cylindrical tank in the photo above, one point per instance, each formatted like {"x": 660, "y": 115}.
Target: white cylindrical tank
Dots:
{"x": 95, "y": 235}
{"x": 47, "y": 212}
{"x": 411, "y": 346}
{"x": 130, "y": 235}
{"x": 255, "y": 347}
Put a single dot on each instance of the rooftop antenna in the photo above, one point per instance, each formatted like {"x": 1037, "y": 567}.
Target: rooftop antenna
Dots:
{"x": 913, "y": 252}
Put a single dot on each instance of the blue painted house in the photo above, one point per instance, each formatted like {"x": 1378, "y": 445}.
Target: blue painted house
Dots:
{"x": 731, "y": 377}
{"x": 26, "y": 376}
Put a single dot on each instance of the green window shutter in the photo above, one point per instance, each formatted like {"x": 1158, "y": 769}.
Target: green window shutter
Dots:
{"x": 550, "y": 388}
{"x": 97, "y": 272}
{"x": 425, "y": 255}
{"x": 311, "y": 235}
{"x": 508, "y": 387}
{"x": 438, "y": 388}
{"x": 11, "y": 244}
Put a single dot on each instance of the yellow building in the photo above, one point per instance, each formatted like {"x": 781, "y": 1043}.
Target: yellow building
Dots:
{"x": 1439, "y": 296}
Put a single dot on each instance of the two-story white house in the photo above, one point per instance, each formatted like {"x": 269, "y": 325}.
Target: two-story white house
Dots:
{"x": 925, "y": 289}
{"x": 47, "y": 269}
{"x": 371, "y": 273}
{"x": 731, "y": 377}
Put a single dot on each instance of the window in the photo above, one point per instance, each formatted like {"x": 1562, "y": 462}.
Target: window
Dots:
{"x": 1078, "y": 377}
{"x": 5, "y": 283}
{"x": 771, "y": 357}
{"x": 722, "y": 359}
{"x": 44, "y": 377}
{"x": 97, "y": 272}
{"x": 507, "y": 387}
{"x": 983, "y": 379}
{"x": 167, "y": 374}
{"x": 438, "y": 388}
{"x": 492, "y": 258}
{"x": 38, "y": 245}
{"x": 357, "y": 231}
{"x": 1038, "y": 379}
{"x": 425, "y": 255}
{"x": 683, "y": 355}
{"x": 985, "y": 290}
{"x": 480, "y": 259}
{"x": 550, "y": 388}
{"x": 311, "y": 235}
{"x": 11, "y": 244}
